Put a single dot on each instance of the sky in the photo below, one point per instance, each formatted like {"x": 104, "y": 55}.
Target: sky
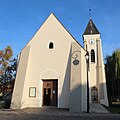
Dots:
{"x": 20, "y": 19}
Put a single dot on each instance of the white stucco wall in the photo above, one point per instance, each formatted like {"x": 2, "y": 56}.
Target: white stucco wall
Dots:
{"x": 78, "y": 93}
{"x": 93, "y": 79}
{"x": 20, "y": 79}
{"x": 101, "y": 75}
{"x": 97, "y": 72}
{"x": 45, "y": 63}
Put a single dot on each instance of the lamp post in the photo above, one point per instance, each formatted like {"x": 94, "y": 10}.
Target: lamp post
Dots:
{"x": 87, "y": 67}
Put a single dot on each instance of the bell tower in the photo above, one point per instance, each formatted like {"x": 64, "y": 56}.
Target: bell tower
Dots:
{"x": 97, "y": 80}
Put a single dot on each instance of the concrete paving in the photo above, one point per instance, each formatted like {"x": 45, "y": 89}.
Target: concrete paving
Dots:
{"x": 97, "y": 108}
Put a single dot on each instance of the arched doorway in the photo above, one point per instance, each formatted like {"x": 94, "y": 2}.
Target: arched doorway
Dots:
{"x": 94, "y": 94}
{"x": 49, "y": 79}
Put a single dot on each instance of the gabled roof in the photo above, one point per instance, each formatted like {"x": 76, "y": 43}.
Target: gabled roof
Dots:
{"x": 62, "y": 26}
{"x": 91, "y": 28}
{"x": 67, "y": 31}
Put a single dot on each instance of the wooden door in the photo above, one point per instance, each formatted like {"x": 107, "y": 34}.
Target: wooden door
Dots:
{"x": 47, "y": 95}
{"x": 50, "y": 92}
{"x": 54, "y": 93}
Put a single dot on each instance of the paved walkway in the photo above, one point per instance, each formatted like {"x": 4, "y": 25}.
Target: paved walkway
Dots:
{"x": 53, "y": 114}
{"x": 97, "y": 108}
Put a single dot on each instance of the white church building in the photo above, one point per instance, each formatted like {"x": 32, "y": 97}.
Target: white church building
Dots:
{"x": 55, "y": 70}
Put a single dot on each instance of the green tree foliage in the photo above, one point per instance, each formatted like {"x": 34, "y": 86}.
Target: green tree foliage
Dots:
{"x": 117, "y": 64}
{"x": 113, "y": 74}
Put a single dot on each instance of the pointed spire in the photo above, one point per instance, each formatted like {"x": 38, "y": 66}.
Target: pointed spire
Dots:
{"x": 91, "y": 28}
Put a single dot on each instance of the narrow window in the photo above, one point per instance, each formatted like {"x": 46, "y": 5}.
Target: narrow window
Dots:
{"x": 51, "y": 45}
{"x": 92, "y": 56}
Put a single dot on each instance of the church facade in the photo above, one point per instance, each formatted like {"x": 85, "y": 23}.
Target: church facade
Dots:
{"x": 53, "y": 69}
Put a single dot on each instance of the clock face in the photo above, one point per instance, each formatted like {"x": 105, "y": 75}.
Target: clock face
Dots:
{"x": 92, "y": 42}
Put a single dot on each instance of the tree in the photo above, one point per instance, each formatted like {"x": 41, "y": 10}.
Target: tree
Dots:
{"x": 117, "y": 63}
{"x": 10, "y": 74}
{"x": 113, "y": 75}
{"x": 8, "y": 67}
{"x": 5, "y": 56}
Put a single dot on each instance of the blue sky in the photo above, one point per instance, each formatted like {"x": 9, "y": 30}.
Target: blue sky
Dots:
{"x": 20, "y": 19}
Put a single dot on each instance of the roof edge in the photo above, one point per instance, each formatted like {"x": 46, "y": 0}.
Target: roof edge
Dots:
{"x": 67, "y": 31}
{"x": 42, "y": 25}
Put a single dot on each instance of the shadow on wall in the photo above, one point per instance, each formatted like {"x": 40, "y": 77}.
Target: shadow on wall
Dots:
{"x": 103, "y": 94}
{"x": 64, "y": 98}
{"x": 74, "y": 55}
{"x": 76, "y": 99}
{"x": 72, "y": 99}
{"x": 99, "y": 96}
